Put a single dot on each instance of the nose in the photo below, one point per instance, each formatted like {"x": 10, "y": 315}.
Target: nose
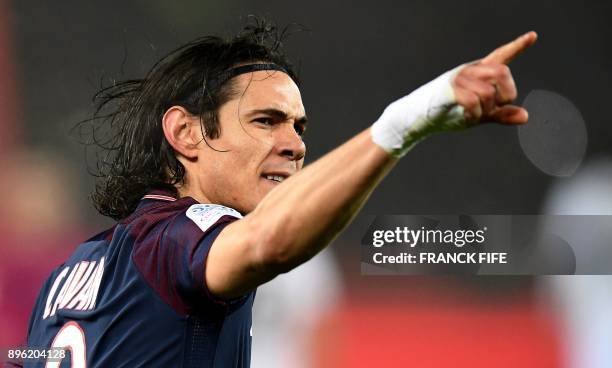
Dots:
{"x": 289, "y": 143}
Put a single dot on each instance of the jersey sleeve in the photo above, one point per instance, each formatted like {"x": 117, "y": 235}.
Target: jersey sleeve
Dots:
{"x": 172, "y": 257}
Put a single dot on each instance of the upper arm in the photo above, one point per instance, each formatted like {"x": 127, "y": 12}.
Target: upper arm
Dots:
{"x": 236, "y": 263}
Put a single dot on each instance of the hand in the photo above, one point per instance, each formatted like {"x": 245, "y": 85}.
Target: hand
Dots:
{"x": 486, "y": 88}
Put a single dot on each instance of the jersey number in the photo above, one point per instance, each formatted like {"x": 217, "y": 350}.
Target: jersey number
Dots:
{"x": 71, "y": 337}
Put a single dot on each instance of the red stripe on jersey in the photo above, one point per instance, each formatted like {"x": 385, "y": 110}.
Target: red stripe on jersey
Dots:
{"x": 159, "y": 197}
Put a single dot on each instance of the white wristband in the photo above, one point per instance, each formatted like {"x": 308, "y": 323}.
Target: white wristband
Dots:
{"x": 431, "y": 108}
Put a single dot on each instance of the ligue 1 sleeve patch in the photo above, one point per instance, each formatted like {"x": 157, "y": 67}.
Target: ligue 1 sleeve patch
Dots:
{"x": 206, "y": 215}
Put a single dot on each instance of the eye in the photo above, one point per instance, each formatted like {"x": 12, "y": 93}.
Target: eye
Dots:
{"x": 299, "y": 128}
{"x": 264, "y": 121}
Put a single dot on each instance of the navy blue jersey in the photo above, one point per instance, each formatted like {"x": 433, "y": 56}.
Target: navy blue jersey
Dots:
{"x": 135, "y": 295}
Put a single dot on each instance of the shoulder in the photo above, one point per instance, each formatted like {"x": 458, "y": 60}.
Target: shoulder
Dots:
{"x": 184, "y": 221}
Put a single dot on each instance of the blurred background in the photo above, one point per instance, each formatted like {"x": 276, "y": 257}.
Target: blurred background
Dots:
{"x": 355, "y": 58}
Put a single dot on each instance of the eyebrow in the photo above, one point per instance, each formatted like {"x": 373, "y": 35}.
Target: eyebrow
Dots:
{"x": 278, "y": 114}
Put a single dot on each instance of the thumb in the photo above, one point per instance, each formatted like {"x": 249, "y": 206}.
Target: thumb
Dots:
{"x": 509, "y": 114}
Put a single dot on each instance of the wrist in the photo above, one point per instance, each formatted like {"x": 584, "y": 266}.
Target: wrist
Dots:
{"x": 429, "y": 109}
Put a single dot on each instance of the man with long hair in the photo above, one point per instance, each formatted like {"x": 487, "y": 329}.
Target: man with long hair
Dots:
{"x": 204, "y": 176}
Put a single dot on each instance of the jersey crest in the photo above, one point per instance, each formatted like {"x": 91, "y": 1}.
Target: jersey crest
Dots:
{"x": 206, "y": 215}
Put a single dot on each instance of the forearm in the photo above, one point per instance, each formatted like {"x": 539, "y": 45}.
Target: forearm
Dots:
{"x": 304, "y": 213}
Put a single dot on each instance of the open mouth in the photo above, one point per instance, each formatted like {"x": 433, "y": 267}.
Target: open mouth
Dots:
{"x": 276, "y": 178}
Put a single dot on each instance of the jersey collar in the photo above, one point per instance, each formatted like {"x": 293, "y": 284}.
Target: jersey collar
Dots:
{"x": 159, "y": 195}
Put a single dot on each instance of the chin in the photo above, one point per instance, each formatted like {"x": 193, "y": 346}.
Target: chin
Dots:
{"x": 252, "y": 203}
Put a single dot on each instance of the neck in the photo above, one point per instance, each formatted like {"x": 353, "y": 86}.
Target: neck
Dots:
{"x": 192, "y": 191}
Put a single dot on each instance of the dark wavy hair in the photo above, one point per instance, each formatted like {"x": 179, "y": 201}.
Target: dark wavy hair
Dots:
{"x": 126, "y": 128}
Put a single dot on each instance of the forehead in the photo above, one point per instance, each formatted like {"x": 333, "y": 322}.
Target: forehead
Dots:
{"x": 269, "y": 89}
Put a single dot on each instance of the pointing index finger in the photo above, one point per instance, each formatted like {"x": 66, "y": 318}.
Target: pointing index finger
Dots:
{"x": 506, "y": 53}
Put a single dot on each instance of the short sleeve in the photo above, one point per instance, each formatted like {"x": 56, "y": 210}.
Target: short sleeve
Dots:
{"x": 172, "y": 256}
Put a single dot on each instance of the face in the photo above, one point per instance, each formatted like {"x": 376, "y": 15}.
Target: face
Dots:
{"x": 260, "y": 139}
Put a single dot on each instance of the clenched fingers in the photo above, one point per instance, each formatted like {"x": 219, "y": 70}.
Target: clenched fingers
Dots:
{"x": 485, "y": 93}
{"x": 497, "y": 75}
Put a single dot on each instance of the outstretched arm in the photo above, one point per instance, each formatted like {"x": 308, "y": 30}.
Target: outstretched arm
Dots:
{"x": 305, "y": 212}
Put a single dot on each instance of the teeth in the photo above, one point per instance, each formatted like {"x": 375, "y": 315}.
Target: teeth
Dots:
{"x": 277, "y": 178}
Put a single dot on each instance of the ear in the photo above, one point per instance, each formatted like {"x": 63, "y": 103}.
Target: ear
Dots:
{"x": 182, "y": 131}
